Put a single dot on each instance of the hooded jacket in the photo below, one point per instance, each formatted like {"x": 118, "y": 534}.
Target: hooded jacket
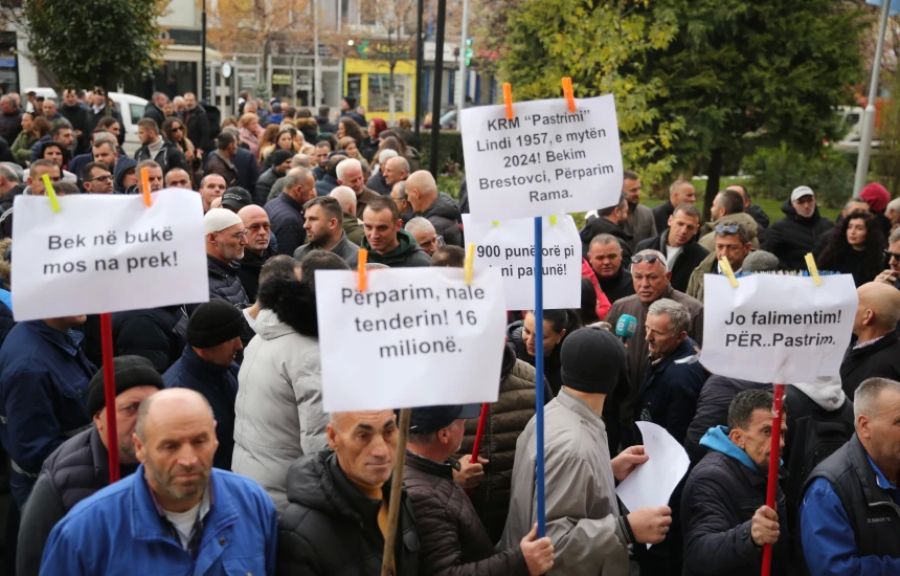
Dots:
{"x": 793, "y": 236}
{"x": 506, "y": 419}
{"x": 168, "y": 157}
{"x": 406, "y": 255}
{"x": 602, "y": 225}
{"x": 720, "y": 497}
{"x": 330, "y": 528}
{"x": 278, "y": 411}
{"x": 445, "y": 217}
{"x": 552, "y": 362}
{"x": 123, "y": 165}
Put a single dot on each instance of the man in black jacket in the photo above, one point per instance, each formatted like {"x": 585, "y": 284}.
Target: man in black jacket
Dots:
{"x": 198, "y": 129}
{"x": 605, "y": 257}
{"x": 79, "y": 467}
{"x": 226, "y": 239}
{"x": 336, "y": 515}
{"x": 678, "y": 242}
{"x": 453, "y": 538}
{"x": 680, "y": 192}
{"x": 876, "y": 351}
{"x": 724, "y": 516}
{"x": 609, "y": 220}
{"x": 799, "y": 231}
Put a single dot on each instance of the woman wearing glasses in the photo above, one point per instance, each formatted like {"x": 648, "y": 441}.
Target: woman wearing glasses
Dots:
{"x": 175, "y": 131}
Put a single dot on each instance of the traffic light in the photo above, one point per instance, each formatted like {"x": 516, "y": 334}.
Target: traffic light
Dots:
{"x": 468, "y": 51}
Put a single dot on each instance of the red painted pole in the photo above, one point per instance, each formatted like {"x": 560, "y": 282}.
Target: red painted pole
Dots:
{"x": 479, "y": 432}
{"x": 109, "y": 393}
{"x": 774, "y": 460}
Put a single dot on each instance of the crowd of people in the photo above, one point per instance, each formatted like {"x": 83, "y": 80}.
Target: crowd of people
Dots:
{"x": 230, "y": 465}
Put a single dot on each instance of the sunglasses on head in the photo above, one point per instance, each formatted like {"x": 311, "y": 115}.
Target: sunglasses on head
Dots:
{"x": 648, "y": 258}
{"x": 730, "y": 228}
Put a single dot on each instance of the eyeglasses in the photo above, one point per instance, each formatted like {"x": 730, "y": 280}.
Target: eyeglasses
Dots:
{"x": 436, "y": 241}
{"x": 648, "y": 258}
{"x": 239, "y": 235}
{"x": 730, "y": 228}
{"x": 101, "y": 178}
{"x": 894, "y": 255}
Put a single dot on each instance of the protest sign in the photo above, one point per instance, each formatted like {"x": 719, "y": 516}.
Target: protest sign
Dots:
{"x": 775, "y": 328}
{"x": 106, "y": 253}
{"x": 415, "y": 337}
{"x": 543, "y": 161}
{"x": 508, "y": 246}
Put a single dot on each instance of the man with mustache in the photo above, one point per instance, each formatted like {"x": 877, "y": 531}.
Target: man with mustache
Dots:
{"x": 176, "y": 514}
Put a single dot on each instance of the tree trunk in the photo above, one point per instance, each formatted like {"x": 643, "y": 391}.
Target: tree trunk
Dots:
{"x": 713, "y": 175}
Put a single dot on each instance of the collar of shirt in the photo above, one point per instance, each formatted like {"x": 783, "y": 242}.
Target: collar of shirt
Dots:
{"x": 867, "y": 342}
{"x": 880, "y": 478}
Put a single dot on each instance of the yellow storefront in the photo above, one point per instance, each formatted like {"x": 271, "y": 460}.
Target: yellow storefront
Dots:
{"x": 370, "y": 80}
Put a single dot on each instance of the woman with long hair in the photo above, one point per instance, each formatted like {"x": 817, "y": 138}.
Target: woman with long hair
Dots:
{"x": 33, "y": 129}
{"x": 285, "y": 139}
{"x": 267, "y": 141}
{"x": 175, "y": 131}
{"x": 855, "y": 247}
{"x": 348, "y": 146}
{"x": 349, "y": 127}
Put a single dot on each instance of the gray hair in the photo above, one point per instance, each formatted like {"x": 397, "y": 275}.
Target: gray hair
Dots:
{"x": 386, "y": 155}
{"x": 345, "y": 165}
{"x": 10, "y": 172}
{"x": 418, "y": 224}
{"x": 866, "y": 396}
{"x": 895, "y": 236}
{"x": 106, "y": 138}
{"x": 296, "y": 176}
{"x": 603, "y": 239}
{"x": 677, "y": 313}
{"x": 894, "y": 205}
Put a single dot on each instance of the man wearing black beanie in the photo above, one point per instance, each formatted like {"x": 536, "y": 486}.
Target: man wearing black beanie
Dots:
{"x": 79, "y": 467}
{"x": 589, "y": 535}
{"x": 208, "y": 366}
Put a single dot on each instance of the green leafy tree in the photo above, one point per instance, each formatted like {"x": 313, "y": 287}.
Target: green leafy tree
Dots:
{"x": 99, "y": 42}
{"x": 605, "y": 47}
{"x": 743, "y": 74}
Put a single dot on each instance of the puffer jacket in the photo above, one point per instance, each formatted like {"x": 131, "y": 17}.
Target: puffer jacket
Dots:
{"x": 406, "y": 255}
{"x": 278, "y": 412}
{"x": 445, "y": 217}
{"x": 225, "y": 284}
{"x": 454, "y": 542}
{"x": 507, "y": 417}
{"x": 793, "y": 236}
{"x": 74, "y": 471}
{"x": 330, "y": 528}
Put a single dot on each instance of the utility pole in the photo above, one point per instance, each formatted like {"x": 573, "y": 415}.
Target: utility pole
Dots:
{"x": 438, "y": 88}
{"x": 461, "y": 91}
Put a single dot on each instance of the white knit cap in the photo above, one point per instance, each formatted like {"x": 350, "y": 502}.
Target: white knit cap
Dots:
{"x": 218, "y": 219}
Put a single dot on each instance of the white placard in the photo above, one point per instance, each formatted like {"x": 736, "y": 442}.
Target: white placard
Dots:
{"x": 107, "y": 253}
{"x": 651, "y": 484}
{"x": 508, "y": 246}
{"x": 544, "y": 161}
{"x": 780, "y": 329}
{"x": 415, "y": 337}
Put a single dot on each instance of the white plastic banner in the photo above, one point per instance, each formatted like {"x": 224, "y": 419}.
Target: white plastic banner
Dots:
{"x": 544, "y": 161}
{"x": 107, "y": 253}
{"x": 508, "y": 246}
{"x": 414, "y": 337}
{"x": 779, "y": 329}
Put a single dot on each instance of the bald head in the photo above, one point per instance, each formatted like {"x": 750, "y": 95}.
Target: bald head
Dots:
{"x": 248, "y": 212}
{"x": 346, "y": 197}
{"x": 172, "y": 407}
{"x": 878, "y": 311}
{"x": 395, "y": 170}
{"x": 421, "y": 190}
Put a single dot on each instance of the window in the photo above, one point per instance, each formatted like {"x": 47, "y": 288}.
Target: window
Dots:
{"x": 379, "y": 92}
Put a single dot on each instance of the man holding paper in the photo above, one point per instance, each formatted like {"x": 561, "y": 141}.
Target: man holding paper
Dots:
{"x": 726, "y": 522}
{"x": 583, "y": 520}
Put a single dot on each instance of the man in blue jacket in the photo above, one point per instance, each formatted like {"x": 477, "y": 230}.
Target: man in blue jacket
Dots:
{"x": 176, "y": 514}
{"x": 850, "y": 515}
{"x": 44, "y": 376}
{"x": 725, "y": 519}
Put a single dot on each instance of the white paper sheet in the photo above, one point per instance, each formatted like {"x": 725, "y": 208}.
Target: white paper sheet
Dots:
{"x": 651, "y": 484}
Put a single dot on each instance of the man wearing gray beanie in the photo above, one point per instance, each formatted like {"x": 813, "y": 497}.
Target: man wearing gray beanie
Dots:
{"x": 79, "y": 467}
{"x": 589, "y": 535}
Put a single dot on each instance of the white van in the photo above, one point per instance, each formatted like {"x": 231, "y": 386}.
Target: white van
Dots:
{"x": 131, "y": 108}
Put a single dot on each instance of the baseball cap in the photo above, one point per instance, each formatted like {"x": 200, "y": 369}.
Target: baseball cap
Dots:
{"x": 801, "y": 191}
{"x": 236, "y": 198}
{"x": 432, "y": 418}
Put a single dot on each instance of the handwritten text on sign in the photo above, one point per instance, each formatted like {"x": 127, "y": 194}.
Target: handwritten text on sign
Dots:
{"x": 508, "y": 246}
{"x": 107, "y": 253}
{"x": 415, "y": 337}
{"x": 544, "y": 161}
{"x": 781, "y": 329}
